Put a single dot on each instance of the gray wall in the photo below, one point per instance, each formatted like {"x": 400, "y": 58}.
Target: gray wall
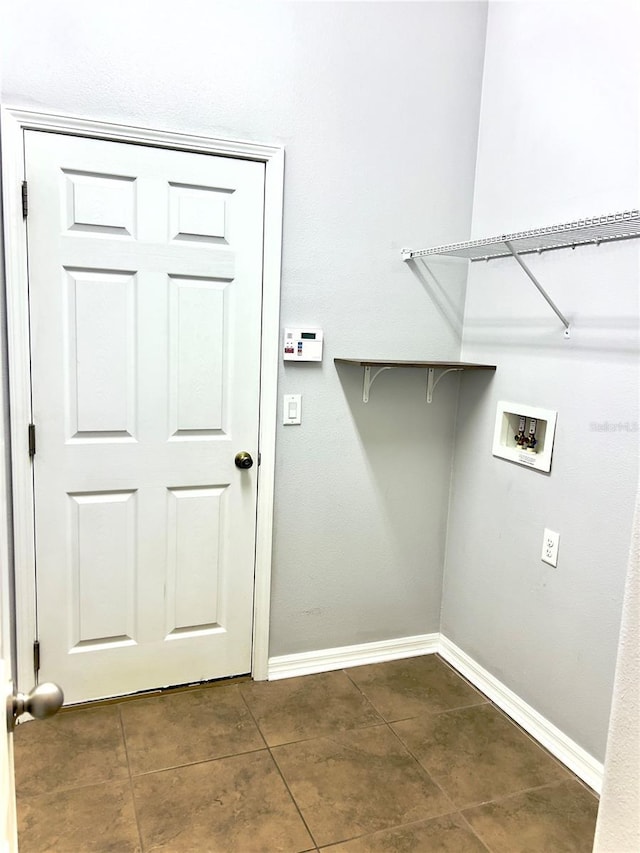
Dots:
{"x": 377, "y": 105}
{"x": 558, "y": 141}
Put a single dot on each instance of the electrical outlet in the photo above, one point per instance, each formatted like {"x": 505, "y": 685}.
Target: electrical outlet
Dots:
{"x": 550, "y": 542}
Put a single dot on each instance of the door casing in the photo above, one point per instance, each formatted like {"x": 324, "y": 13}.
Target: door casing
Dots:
{"x": 14, "y": 121}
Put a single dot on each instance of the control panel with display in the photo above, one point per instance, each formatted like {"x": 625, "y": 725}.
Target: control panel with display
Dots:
{"x": 302, "y": 345}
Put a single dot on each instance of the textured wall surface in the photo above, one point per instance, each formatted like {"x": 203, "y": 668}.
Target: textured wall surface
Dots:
{"x": 558, "y": 141}
{"x": 618, "y": 827}
{"x": 377, "y": 105}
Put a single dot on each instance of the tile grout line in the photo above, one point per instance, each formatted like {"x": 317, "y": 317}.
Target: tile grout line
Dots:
{"x": 281, "y": 774}
{"x": 133, "y": 799}
{"x": 519, "y": 793}
{"x": 197, "y": 762}
{"x": 544, "y": 749}
{"x": 328, "y": 734}
{"x": 396, "y": 827}
{"x": 464, "y": 678}
{"x": 474, "y": 833}
{"x": 437, "y": 713}
{"x": 424, "y": 770}
{"x": 255, "y": 722}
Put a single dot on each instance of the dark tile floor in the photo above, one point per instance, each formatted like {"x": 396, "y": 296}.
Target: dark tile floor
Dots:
{"x": 400, "y": 756}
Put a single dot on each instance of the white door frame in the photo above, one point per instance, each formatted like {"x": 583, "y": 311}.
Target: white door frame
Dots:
{"x": 14, "y": 121}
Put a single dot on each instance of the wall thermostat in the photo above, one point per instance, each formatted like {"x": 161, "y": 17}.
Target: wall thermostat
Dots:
{"x": 302, "y": 345}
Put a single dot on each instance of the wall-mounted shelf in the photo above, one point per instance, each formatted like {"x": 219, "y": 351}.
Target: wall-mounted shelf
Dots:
{"x": 380, "y": 365}
{"x": 582, "y": 232}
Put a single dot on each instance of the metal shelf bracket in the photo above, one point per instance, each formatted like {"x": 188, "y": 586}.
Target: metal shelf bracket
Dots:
{"x": 543, "y": 292}
{"x": 369, "y": 380}
{"x": 432, "y": 380}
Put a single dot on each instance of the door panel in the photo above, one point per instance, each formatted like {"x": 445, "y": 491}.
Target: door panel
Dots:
{"x": 197, "y": 315}
{"x": 100, "y": 369}
{"x": 145, "y": 269}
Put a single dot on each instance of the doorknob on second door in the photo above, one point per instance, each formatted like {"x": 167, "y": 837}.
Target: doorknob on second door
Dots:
{"x": 243, "y": 459}
{"x": 43, "y": 701}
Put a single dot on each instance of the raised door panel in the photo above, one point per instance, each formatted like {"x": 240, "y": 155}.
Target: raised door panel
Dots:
{"x": 193, "y": 564}
{"x": 103, "y": 565}
{"x": 198, "y": 316}
{"x": 101, "y": 347}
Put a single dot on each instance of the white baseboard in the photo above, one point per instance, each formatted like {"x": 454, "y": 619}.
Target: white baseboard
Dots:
{"x": 562, "y": 747}
{"x": 305, "y": 663}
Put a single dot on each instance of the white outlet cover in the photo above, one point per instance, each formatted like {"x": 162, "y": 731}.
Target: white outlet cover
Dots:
{"x": 550, "y": 543}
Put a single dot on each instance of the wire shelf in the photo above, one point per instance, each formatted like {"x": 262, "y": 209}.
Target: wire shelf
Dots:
{"x": 599, "y": 229}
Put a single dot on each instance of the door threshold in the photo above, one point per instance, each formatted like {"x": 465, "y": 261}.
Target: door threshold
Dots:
{"x": 159, "y": 691}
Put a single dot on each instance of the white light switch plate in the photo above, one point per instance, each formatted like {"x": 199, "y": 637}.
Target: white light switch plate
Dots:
{"x": 550, "y": 542}
{"x": 292, "y": 409}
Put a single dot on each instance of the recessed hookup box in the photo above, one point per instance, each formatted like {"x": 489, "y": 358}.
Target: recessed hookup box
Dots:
{"x": 524, "y": 434}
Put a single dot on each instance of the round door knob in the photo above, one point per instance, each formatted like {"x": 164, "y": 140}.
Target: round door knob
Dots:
{"x": 43, "y": 701}
{"x": 243, "y": 459}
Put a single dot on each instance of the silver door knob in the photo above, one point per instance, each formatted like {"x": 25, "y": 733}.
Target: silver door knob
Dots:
{"x": 43, "y": 701}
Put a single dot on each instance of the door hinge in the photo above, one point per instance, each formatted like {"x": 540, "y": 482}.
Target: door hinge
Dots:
{"x": 32, "y": 439}
{"x": 25, "y": 200}
{"x": 36, "y": 656}
{"x": 259, "y": 459}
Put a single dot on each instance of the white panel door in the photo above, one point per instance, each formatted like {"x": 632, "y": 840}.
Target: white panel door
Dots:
{"x": 145, "y": 278}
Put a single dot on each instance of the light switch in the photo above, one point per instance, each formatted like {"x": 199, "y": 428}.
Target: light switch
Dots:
{"x": 292, "y": 409}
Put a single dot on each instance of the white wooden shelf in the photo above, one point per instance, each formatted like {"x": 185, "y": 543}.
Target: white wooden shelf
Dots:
{"x": 569, "y": 235}
{"x": 380, "y": 365}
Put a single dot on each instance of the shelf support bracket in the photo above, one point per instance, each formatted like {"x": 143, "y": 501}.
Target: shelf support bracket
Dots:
{"x": 432, "y": 381}
{"x": 541, "y": 289}
{"x": 369, "y": 380}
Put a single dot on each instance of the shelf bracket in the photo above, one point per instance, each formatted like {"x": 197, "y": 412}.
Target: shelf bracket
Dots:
{"x": 369, "y": 380}
{"x": 543, "y": 292}
{"x": 432, "y": 381}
